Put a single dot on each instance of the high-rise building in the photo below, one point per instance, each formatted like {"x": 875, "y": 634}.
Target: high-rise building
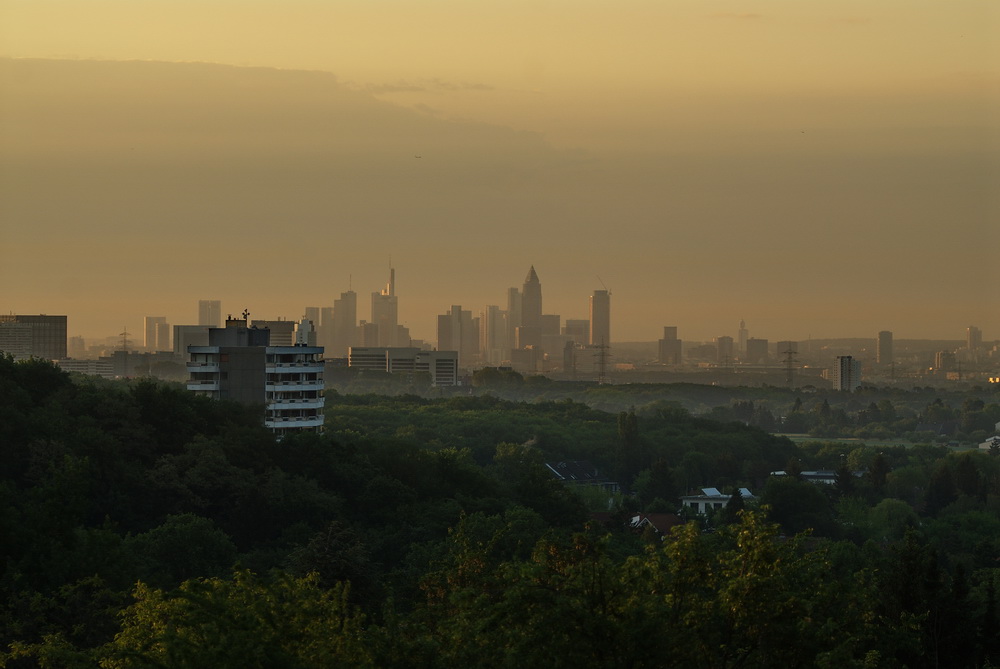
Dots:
{"x": 345, "y": 324}
{"x": 513, "y": 316}
{"x": 459, "y": 331}
{"x": 550, "y": 324}
{"x": 883, "y": 348}
{"x": 151, "y": 331}
{"x": 600, "y": 318}
{"x": 670, "y": 346}
{"x": 578, "y": 329}
{"x": 210, "y": 313}
{"x": 973, "y": 338}
{"x": 282, "y": 332}
{"x": 529, "y": 333}
{"x": 385, "y": 312}
{"x": 240, "y": 364}
{"x": 757, "y": 351}
{"x": 724, "y": 349}
{"x": 493, "y": 346}
{"x": 846, "y": 373}
{"x": 742, "y": 337}
{"x": 41, "y": 336}
{"x": 189, "y": 335}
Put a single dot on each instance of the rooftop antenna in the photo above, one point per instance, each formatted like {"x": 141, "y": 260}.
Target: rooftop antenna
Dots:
{"x": 246, "y": 315}
{"x": 602, "y": 283}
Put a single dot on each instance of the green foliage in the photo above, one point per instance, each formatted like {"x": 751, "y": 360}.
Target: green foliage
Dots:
{"x": 242, "y": 622}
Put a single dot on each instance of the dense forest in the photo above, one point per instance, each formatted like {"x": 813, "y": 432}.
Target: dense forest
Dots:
{"x": 919, "y": 414}
{"x": 143, "y": 526}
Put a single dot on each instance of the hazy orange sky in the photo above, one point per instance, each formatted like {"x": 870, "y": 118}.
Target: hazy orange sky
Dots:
{"x": 823, "y": 169}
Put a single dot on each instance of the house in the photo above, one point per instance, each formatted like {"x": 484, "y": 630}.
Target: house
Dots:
{"x": 660, "y": 522}
{"x": 711, "y": 499}
{"x": 580, "y": 472}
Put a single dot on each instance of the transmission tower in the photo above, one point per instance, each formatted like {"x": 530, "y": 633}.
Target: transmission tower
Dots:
{"x": 602, "y": 356}
{"x": 789, "y": 365}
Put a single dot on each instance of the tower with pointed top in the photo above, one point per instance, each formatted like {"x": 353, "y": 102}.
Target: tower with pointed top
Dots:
{"x": 529, "y": 333}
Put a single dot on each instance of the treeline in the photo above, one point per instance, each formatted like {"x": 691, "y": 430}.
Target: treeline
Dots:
{"x": 143, "y": 526}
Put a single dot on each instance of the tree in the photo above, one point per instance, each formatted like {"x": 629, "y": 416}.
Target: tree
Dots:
{"x": 242, "y": 622}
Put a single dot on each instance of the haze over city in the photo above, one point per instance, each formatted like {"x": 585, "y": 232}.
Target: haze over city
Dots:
{"x": 818, "y": 170}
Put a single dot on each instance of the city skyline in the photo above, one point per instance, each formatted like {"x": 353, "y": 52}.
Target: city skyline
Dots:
{"x": 817, "y": 170}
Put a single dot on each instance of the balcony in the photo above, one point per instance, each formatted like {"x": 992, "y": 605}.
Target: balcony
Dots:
{"x": 283, "y": 403}
{"x": 203, "y": 386}
{"x": 295, "y": 422}
{"x": 279, "y": 386}
{"x": 195, "y": 367}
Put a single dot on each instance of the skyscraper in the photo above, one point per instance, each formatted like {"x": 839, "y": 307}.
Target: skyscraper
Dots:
{"x": 459, "y": 331}
{"x": 883, "y": 348}
{"x": 210, "y": 313}
{"x": 530, "y": 330}
{"x": 151, "y": 331}
{"x": 345, "y": 324}
{"x": 600, "y": 318}
{"x": 724, "y": 349}
{"x": 973, "y": 338}
{"x": 670, "y": 346}
{"x": 385, "y": 313}
{"x": 742, "y": 337}
{"x": 846, "y": 373}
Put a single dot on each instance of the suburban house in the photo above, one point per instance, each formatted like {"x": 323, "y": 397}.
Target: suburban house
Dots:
{"x": 711, "y": 499}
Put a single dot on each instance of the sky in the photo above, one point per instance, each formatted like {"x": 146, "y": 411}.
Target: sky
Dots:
{"x": 817, "y": 169}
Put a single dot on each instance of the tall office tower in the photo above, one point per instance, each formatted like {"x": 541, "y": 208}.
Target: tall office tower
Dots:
{"x": 724, "y": 349}
{"x": 493, "y": 345}
{"x": 846, "y": 374}
{"x": 210, "y": 313}
{"x": 305, "y": 332}
{"x": 163, "y": 337}
{"x": 242, "y": 363}
{"x": 550, "y": 324}
{"x": 742, "y": 337}
{"x": 973, "y": 338}
{"x": 459, "y": 331}
{"x": 670, "y": 346}
{"x": 757, "y": 351}
{"x": 345, "y": 324}
{"x": 944, "y": 361}
{"x": 324, "y": 329}
{"x": 76, "y": 347}
{"x": 600, "y": 318}
{"x": 883, "y": 348}
{"x": 282, "y": 332}
{"x": 513, "y": 316}
{"x": 385, "y": 312}
{"x": 312, "y": 314}
{"x": 41, "y": 336}
{"x": 530, "y": 331}
{"x": 150, "y": 325}
{"x": 189, "y": 335}
{"x": 578, "y": 329}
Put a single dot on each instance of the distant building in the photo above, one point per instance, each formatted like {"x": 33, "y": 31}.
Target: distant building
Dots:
{"x": 529, "y": 332}
{"x": 711, "y": 499}
{"x": 600, "y": 318}
{"x": 40, "y": 336}
{"x": 459, "y": 331}
{"x": 345, "y": 324}
{"x": 282, "y": 332}
{"x": 156, "y": 334}
{"x": 240, "y": 364}
{"x": 724, "y": 350}
{"x": 493, "y": 346}
{"x": 846, "y": 373}
{"x": 578, "y": 329}
{"x": 743, "y": 336}
{"x": 441, "y": 366}
{"x": 973, "y": 338}
{"x": 189, "y": 335}
{"x": 385, "y": 314}
{"x": 669, "y": 352}
{"x": 883, "y": 348}
{"x": 757, "y": 351}
{"x": 210, "y": 313}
